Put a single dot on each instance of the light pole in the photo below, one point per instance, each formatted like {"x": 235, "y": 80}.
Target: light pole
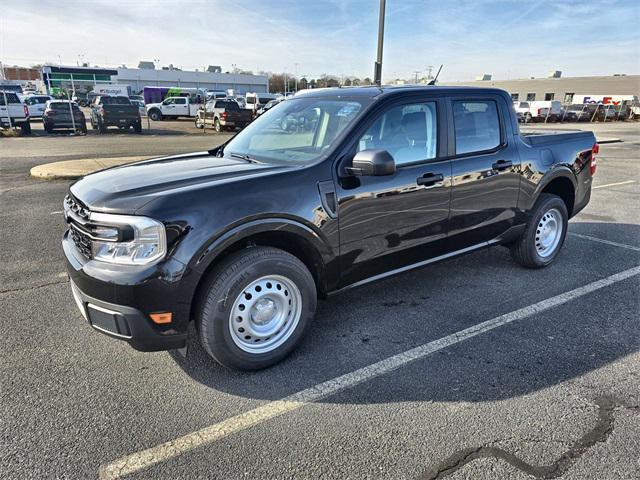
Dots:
{"x": 377, "y": 71}
{"x": 416, "y": 72}
{"x": 296, "y": 76}
{"x": 429, "y": 68}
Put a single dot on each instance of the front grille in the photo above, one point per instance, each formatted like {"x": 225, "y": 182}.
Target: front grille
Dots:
{"x": 76, "y": 215}
{"x": 75, "y": 206}
{"x": 81, "y": 240}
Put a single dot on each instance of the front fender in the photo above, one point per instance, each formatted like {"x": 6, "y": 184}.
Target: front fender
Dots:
{"x": 278, "y": 224}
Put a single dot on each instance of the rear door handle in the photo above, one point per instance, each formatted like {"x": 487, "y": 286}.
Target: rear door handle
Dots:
{"x": 501, "y": 165}
{"x": 431, "y": 180}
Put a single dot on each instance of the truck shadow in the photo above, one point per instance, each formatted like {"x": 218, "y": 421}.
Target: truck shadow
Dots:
{"x": 364, "y": 326}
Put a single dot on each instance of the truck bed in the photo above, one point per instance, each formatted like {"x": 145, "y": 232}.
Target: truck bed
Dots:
{"x": 546, "y": 137}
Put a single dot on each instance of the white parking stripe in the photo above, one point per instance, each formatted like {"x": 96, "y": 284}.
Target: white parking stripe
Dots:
{"x": 606, "y": 242}
{"x": 173, "y": 448}
{"x": 626, "y": 182}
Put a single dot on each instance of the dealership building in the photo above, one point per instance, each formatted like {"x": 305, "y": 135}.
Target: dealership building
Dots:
{"x": 560, "y": 88}
{"x": 83, "y": 79}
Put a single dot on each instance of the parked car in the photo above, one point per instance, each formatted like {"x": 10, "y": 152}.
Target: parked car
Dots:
{"x": 576, "y": 113}
{"x": 141, "y": 107}
{"x": 223, "y": 115}
{"x": 173, "y": 107}
{"x": 114, "y": 111}
{"x": 245, "y": 237}
{"x": 57, "y": 116}
{"x": 138, "y": 98}
{"x": 14, "y": 113}
{"x": 269, "y": 105}
{"x": 36, "y": 104}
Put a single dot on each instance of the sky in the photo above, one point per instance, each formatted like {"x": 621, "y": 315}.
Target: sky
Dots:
{"x": 505, "y": 38}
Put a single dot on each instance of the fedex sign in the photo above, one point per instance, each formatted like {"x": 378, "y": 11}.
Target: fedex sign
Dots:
{"x": 602, "y": 99}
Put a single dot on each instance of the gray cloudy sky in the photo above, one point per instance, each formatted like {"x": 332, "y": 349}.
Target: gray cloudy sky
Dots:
{"x": 508, "y": 38}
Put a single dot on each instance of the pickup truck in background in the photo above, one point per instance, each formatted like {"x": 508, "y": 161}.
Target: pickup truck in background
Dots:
{"x": 36, "y": 104}
{"x": 173, "y": 107}
{"x": 223, "y": 115}
{"x": 14, "y": 113}
{"x": 115, "y": 111}
{"x": 244, "y": 238}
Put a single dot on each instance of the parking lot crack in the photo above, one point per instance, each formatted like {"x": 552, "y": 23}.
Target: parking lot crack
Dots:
{"x": 599, "y": 433}
{"x": 33, "y": 287}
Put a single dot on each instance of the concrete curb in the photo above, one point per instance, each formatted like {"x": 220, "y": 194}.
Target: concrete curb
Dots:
{"x": 71, "y": 169}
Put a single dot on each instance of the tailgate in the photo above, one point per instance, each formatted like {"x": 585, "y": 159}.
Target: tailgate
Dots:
{"x": 128, "y": 112}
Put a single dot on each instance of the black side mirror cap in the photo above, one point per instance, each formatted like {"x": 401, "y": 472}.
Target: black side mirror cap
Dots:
{"x": 372, "y": 163}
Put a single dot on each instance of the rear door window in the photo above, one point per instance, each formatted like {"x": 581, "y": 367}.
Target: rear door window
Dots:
{"x": 477, "y": 126}
{"x": 11, "y": 98}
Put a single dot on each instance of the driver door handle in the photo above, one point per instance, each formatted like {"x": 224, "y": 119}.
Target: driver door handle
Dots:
{"x": 431, "y": 180}
{"x": 501, "y": 165}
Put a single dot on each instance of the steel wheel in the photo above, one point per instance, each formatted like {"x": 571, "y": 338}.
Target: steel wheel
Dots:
{"x": 265, "y": 314}
{"x": 549, "y": 233}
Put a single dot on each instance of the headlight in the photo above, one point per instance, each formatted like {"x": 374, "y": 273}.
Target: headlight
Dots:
{"x": 127, "y": 239}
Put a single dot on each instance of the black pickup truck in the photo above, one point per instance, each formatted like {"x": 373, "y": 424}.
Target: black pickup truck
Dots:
{"x": 329, "y": 190}
{"x": 116, "y": 111}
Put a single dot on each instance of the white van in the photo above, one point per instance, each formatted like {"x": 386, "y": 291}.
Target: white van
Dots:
{"x": 538, "y": 110}
{"x": 254, "y": 101}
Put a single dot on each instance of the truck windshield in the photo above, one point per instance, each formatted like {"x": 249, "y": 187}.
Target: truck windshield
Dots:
{"x": 297, "y": 131}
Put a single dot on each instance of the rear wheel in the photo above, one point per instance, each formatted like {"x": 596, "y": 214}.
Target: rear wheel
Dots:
{"x": 199, "y": 123}
{"x": 102, "y": 128}
{"x": 25, "y": 128}
{"x": 255, "y": 307}
{"x": 217, "y": 126}
{"x": 544, "y": 234}
{"x": 137, "y": 127}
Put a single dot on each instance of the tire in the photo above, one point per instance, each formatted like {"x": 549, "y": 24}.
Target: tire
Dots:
{"x": 217, "y": 126}
{"x": 538, "y": 246}
{"x": 155, "y": 115}
{"x": 234, "y": 339}
{"x": 48, "y": 129}
{"x": 198, "y": 124}
{"x": 137, "y": 127}
{"x": 101, "y": 127}
{"x": 527, "y": 117}
{"x": 25, "y": 128}
{"x": 83, "y": 128}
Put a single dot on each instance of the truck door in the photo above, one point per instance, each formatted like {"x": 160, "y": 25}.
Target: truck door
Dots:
{"x": 485, "y": 169}
{"x": 390, "y": 222}
{"x": 181, "y": 107}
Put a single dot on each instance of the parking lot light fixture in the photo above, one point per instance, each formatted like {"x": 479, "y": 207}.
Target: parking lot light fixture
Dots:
{"x": 377, "y": 72}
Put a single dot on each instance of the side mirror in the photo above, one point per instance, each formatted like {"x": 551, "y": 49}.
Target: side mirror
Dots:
{"x": 372, "y": 163}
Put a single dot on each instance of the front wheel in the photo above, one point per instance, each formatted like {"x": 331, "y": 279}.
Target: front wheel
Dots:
{"x": 199, "y": 124}
{"x": 255, "y": 307}
{"x": 155, "y": 115}
{"x": 544, "y": 234}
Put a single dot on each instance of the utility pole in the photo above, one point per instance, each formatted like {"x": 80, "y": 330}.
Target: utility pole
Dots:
{"x": 296, "y": 77}
{"x": 429, "y": 68}
{"x": 416, "y": 72}
{"x": 377, "y": 72}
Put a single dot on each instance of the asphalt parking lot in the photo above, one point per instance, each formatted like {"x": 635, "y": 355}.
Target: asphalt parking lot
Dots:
{"x": 471, "y": 368}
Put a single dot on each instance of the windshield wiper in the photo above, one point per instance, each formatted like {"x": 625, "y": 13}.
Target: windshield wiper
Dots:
{"x": 245, "y": 157}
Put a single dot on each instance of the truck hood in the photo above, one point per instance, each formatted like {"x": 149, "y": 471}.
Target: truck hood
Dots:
{"x": 126, "y": 189}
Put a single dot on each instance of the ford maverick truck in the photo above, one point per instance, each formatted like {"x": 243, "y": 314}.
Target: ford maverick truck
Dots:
{"x": 329, "y": 190}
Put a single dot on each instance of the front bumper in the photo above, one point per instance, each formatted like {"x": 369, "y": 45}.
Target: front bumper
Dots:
{"x": 117, "y": 300}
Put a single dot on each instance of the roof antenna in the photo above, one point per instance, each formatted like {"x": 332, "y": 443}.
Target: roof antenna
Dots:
{"x": 433, "y": 82}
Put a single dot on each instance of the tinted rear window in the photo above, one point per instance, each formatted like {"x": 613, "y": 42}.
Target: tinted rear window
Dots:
{"x": 11, "y": 98}
{"x": 477, "y": 126}
{"x": 61, "y": 106}
{"x": 227, "y": 105}
{"x": 115, "y": 101}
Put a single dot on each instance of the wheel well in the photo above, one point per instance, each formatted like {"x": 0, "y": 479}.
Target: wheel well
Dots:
{"x": 563, "y": 188}
{"x": 294, "y": 244}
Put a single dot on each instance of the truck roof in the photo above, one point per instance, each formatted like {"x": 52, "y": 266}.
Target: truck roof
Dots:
{"x": 390, "y": 90}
